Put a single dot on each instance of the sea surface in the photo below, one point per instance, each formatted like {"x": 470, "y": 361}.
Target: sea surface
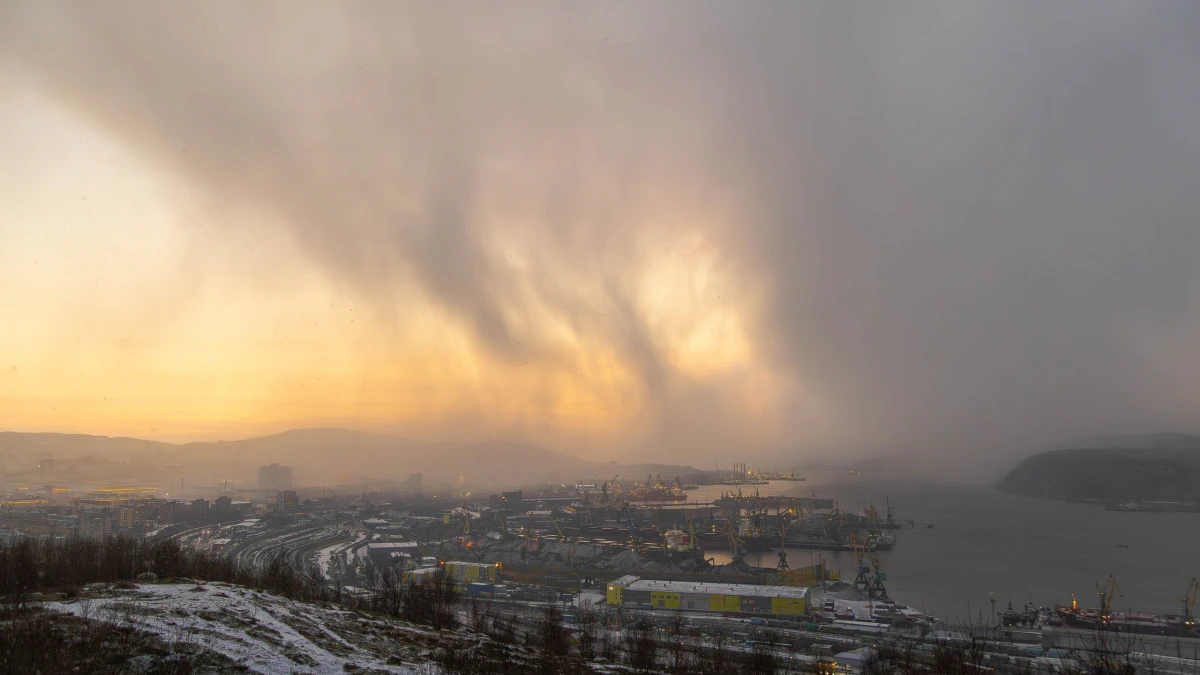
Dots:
{"x": 989, "y": 545}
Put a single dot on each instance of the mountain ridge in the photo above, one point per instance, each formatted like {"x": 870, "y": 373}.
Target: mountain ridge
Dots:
{"x": 1157, "y": 467}
{"x": 329, "y": 455}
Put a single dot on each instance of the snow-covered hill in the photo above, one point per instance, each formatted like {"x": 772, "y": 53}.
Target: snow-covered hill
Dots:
{"x": 264, "y": 632}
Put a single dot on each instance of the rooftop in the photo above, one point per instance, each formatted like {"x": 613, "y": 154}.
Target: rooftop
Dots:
{"x": 715, "y": 588}
{"x": 392, "y": 545}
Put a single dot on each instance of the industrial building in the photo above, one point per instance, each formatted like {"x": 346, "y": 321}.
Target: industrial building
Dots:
{"x": 384, "y": 554}
{"x": 461, "y": 574}
{"x": 697, "y": 596}
{"x": 274, "y": 477}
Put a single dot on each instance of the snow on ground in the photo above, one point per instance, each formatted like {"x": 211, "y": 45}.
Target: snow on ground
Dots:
{"x": 343, "y": 549}
{"x": 588, "y": 599}
{"x": 264, "y": 632}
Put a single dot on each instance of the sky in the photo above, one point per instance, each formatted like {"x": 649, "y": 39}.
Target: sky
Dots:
{"x": 621, "y": 229}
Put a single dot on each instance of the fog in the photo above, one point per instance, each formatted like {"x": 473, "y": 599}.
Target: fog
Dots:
{"x": 958, "y": 229}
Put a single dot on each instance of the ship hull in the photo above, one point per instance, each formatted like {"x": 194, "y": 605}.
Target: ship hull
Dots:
{"x": 1075, "y": 620}
{"x": 716, "y": 541}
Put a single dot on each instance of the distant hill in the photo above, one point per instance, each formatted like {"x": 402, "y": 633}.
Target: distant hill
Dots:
{"x": 1157, "y": 467}
{"x": 335, "y": 456}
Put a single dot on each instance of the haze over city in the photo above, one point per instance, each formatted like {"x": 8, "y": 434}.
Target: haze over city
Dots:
{"x": 771, "y": 337}
{"x": 662, "y": 232}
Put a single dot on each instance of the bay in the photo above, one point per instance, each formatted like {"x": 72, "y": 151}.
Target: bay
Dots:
{"x": 987, "y": 545}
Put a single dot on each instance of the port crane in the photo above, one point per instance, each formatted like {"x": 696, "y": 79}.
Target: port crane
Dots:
{"x": 604, "y": 488}
{"x": 783, "y": 563}
{"x": 1189, "y": 599}
{"x": 1111, "y": 587}
{"x": 736, "y": 551}
{"x": 861, "y": 581}
{"x": 563, "y": 537}
{"x": 877, "y": 591}
{"x": 692, "y": 540}
{"x": 466, "y": 519}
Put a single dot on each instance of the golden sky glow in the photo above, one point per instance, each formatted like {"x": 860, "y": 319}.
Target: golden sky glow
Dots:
{"x": 613, "y": 228}
{"x": 129, "y": 310}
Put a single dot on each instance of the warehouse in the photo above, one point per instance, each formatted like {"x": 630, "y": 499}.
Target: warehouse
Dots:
{"x": 461, "y": 574}
{"x": 695, "y": 596}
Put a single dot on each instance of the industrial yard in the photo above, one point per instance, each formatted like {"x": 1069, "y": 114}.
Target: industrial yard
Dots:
{"x": 693, "y": 558}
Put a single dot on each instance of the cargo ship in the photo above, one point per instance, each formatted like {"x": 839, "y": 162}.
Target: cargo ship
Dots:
{"x": 883, "y": 542}
{"x": 719, "y": 541}
{"x": 1154, "y": 507}
{"x": 656, "y": 490}
{"x": 1102, "y": 619}
{"x": 655, "y": 494}
{"x": 739, "y": 500}
{"x": 1170, "y": 625}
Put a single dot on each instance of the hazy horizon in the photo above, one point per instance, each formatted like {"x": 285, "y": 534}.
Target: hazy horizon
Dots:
{"x": 614, "y": 230}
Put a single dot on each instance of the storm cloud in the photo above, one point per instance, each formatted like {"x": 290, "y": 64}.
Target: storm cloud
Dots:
{"x": 957, "y": 226}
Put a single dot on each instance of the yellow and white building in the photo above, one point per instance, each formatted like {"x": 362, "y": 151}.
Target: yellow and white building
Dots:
{"x": 703, "y": 596}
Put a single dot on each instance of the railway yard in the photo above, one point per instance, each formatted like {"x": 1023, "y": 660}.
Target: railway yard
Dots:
{"x": 579, "y": 550}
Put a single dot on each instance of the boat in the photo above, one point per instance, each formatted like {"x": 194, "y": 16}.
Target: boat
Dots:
{"x": 656, "y": 490}
{"x": 1170, "y": 625}
{"x": 1130, "y": 505}
{"x": 1154, "y": 507}
{"x": 745, "y": 501}
{"x": 719, "y": 541}
{"x": 1010, "y": 617}
{"x": 655, "y": 495}
{"x": 1102, "y": 619}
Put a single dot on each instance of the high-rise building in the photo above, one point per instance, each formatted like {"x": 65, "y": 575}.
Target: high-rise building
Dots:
{"x": 199, "y": 509}
{"x": 413, "y": 483}
{"x": 49, "y": 468}
{"x": 125, "y": 517}
{"x": 274, "y": 477}
{"x": 96, "y": 523}
{"x": 287, "y": 501}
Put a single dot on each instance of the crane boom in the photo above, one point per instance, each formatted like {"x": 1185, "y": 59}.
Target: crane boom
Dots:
{"x": 1189, "y": 598}
{"x": 1111, "y": 587}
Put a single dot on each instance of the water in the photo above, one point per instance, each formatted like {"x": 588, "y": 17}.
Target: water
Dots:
{"x": 987, "y": 544}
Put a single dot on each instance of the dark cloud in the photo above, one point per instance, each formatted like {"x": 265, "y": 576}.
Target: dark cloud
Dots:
{"x": 972, "y": 221}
